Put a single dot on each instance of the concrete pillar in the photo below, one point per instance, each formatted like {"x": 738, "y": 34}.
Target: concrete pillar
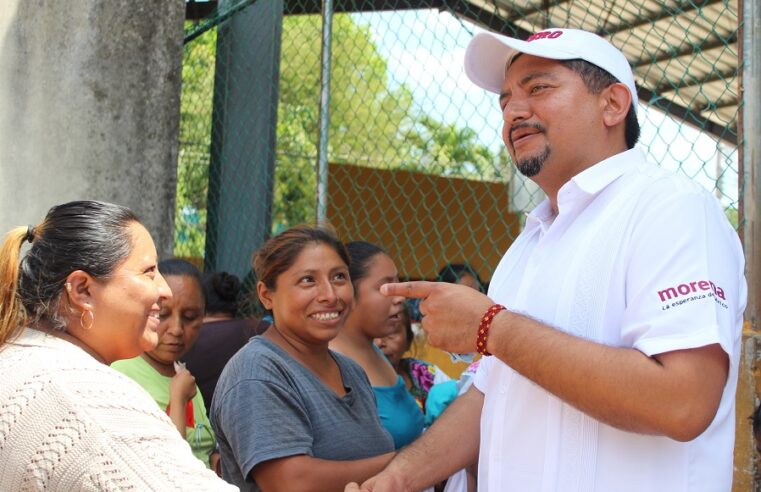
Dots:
{"x": 244, "y": 126}
{"x": 89, "y": 91}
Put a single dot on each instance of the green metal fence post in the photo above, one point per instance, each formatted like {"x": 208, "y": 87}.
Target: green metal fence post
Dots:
{"x": 322, "y": 146}
{"x": 243, "y": 136}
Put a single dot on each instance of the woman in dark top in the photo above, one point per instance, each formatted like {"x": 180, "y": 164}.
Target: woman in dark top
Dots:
{"x": 221, "y": 335}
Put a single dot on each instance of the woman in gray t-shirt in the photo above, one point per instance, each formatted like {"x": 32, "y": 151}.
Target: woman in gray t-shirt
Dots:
{"x": 287, "y": 410}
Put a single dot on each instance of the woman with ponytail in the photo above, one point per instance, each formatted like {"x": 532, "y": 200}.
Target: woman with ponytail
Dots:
{"x": 289, "y": 413}
{"x": 86, "y": 293}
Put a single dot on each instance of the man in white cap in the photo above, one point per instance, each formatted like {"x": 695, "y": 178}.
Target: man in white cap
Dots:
{"x": 611, "y": 330}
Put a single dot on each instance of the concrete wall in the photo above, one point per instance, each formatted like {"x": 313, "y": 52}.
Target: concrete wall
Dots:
{"x": 89, "y": 91}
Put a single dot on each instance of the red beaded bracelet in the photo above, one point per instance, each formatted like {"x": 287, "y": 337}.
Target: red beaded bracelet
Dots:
{"x": 483, "y": 328}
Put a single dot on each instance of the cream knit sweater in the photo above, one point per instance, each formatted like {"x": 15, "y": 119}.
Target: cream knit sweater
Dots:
{"x": 68, "y": 422}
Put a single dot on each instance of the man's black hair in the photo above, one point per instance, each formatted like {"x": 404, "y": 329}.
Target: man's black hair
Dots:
{"x": 596, "y": 79}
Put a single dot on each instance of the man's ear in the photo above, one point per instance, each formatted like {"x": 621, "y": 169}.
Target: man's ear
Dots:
{"x": 616, "y": 101}
{"x": 265, "y": 295}
{"x": 78, "y": 289}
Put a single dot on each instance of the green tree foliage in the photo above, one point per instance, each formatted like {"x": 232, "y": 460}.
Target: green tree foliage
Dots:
{"x": 365, "y": 116}
{"x": 195, "y": 138}
{"x": 448, "y": 150}
{"x": 733, "y": 216}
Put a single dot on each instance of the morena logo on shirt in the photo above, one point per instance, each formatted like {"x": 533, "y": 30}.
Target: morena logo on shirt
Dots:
{"x": 688, "y": 288}
{"x": 545, "y": 35}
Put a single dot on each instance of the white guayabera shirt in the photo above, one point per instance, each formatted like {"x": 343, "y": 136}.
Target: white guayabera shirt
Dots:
{"x": 636, "y": 257}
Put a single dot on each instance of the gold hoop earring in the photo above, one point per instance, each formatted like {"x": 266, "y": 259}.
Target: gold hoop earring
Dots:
{"x": 82, "y": 319}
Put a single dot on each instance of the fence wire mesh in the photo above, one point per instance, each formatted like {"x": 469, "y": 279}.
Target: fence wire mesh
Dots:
{"x": 416, "y": 159}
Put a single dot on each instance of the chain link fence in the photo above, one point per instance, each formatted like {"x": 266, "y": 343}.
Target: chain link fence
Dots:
{"x": 416, "y": 161}
{"x": 405, "y": 151}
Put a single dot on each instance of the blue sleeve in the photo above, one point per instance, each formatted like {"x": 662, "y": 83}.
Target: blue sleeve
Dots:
{"x": 399, "y": 413}
{"x": 439, "y": 398}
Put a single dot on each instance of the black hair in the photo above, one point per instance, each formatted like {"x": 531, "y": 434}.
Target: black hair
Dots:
{"x": 409, "y": 335}
{"x": 221, "y": 290}
{"x": 249, "y": 305}
{"x": 176, "y": 267}
{"x": 361, "y": 253}
{"x": 280, "y": 252}
{"x": 453, "y": 272}
{"x": 90, "y": 236}
{"x": 596, "y": 79}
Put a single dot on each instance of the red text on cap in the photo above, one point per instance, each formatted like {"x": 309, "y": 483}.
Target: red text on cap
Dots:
{"x": 545, "y": 35}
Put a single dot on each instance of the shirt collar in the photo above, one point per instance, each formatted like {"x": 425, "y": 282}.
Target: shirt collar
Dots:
{"x": 596, "y": 178}
{"x": 541, "y": 215}
{"x": 589, "y": 182}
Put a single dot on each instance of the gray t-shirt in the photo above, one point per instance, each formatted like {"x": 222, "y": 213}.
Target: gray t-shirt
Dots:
{"x": 267, "y": 405}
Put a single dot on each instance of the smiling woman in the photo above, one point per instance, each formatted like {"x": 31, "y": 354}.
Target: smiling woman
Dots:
{"x": 289, "y": 413}
{"x": 158, "y": 369}
{"x": 85, "y": 294}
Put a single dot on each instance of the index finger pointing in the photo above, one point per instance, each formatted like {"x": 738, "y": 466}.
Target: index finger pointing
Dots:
{"x": 418, "y": 289}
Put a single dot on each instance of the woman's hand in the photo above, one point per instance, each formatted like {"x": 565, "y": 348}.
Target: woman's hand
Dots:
{"x": 182, "y": 388}
{"x": 215, "y": 463}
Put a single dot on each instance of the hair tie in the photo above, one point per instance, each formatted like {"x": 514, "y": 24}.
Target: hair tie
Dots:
{"x": 29, "y": 233}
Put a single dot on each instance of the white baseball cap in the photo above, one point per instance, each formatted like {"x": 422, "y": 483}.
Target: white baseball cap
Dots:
{"x": 488, "y": 55}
